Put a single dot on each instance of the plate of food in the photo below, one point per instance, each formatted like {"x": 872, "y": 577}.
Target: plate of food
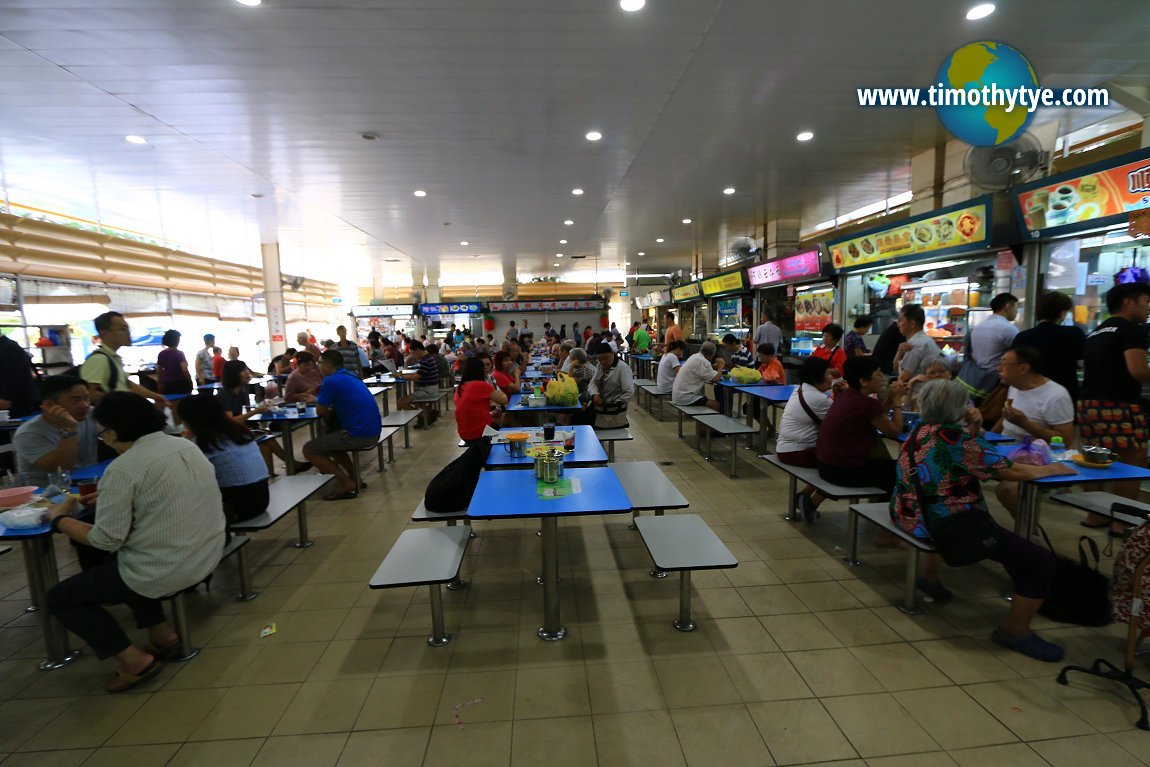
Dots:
{"x": 944, "y": 229}
{"x": 1079, "y": 459}
{"x": 968, "y": 224}
{"x": 924, "y": 234}
{"x": 868, "y": 246}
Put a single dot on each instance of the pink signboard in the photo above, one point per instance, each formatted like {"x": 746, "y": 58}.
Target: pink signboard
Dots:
{"x": 785, "y": 269}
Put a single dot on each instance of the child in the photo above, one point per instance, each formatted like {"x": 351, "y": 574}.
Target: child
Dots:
{"x": 769, "y": 366}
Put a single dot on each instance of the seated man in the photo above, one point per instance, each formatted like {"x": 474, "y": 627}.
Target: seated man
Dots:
{"x": 425, "y": 384}
{"x": 358, "y": 424}
{"x": 304, "y": 380}
{"x": 63, "y": 436}
{"x": 1035, "y": 406}
{"x": 700, "y": 369}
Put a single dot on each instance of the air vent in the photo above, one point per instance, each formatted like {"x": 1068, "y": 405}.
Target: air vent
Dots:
{"x": 577, "y": 257}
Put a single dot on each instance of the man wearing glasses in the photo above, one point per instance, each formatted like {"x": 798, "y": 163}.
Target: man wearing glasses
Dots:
{"x": 103, "y": 371}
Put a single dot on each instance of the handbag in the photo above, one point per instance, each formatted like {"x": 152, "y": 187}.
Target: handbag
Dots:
{"x": 963, "y": 538}
{"x": 451, "y": 489}
{"x": 1080, "y": 593}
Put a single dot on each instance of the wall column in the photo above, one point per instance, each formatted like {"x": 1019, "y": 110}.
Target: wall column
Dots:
{"x": 274, "y": 297}
{"x": 782, "y": 238}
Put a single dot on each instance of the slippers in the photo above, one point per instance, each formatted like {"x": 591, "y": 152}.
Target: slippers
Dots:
{"x": 1099, "y": 526}
{"x": 123, "y": 680}
{"x": 342, "y": 496}
{"x": 165, "y": 653}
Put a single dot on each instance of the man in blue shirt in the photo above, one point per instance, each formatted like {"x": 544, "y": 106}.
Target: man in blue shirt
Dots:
{"x": 357, "y": 426}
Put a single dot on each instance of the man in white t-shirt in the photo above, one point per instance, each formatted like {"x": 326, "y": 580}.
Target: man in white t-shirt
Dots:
{"x": 669, "y": 365}
{"x": 1035, "y": 406}
{"x": 699, "y": 370}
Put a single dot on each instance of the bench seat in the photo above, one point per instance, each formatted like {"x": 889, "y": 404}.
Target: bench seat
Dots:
{"x": 403, "y": 419}
{"x": 691, "y": 410}
{"x": 648, "y": 488}
{"x": 188, "y": 650}
{"x": 724, "y": 425}
{"x": 812, "y": 478}
{"x": 284, "y": 496}
{"x": 1100, "y": 503}
{"x": 879, "y": 514}
{"x": 428, "y": 556}
{"x": 385, "y": 436}
{"x": 652, "y": 393}
{"x": 683, "y": 542}
{"x": 610, "y": 437}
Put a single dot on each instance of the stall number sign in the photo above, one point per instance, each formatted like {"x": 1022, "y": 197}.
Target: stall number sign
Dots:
{"x": 723, "y": 283}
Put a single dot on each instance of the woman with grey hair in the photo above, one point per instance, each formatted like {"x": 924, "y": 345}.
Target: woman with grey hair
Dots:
{"x": 580, "y": 368}
{"x": 940, "y": 470}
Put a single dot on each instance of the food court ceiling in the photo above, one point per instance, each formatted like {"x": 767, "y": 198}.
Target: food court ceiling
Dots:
{"x": 484, "y": 105}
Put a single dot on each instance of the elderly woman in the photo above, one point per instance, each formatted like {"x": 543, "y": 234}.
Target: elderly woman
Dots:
{"x": 949, "y": 462}
{"x": 611, "y": 388}
{"x": 580, "y": 367}
{"x": 162, "y": 516}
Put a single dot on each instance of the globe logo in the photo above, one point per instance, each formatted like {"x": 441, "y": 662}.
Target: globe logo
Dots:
{"x": 985, "y": 64}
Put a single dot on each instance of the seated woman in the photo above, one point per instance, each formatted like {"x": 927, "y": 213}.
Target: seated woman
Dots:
{"x": 951, "y": 462}
{"x": 611, "y": 388}
{"x": 240, "y": 471}
{"x": 305, "y": 380}
{"x": 935, "y": 371}
{"x": 848, "y": 449}
{"x": 506, "y": 374}
{"x": 581, "y": 369}
{"x": 770, "y": 368}
{"x": 477, "y": 399}
{"x": 799, "y": 427}
{"x": 832, "y": 348}
{"x": 233, "y": 395}
{"x": 161, "y": 514}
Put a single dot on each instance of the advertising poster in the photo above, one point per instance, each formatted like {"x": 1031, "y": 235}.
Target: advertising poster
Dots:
{"x": 813, "y": 310}
{"x": 1089, "y": 197}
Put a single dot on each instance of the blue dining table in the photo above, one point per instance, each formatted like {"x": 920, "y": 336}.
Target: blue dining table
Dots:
{"x": 517, "y": 494}
{"x": 588, "y": 450}
{"x": 1030, "y": 500}
{"x": 518, "y": 404}
{"x": 287, "y": 421}
{"x": 771, "y": 394}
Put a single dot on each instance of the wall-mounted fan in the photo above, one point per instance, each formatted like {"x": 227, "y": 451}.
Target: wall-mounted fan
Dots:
{"x": 997, "y": 168}
{"x": 742, "y": 248}
{"x": 509, "y": 293}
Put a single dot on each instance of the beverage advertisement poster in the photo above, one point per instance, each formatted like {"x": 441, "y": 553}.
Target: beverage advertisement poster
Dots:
{"x": 813, "y": 310}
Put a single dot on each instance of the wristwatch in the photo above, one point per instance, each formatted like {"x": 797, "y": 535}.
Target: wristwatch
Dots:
{"x": 55, "y": 523}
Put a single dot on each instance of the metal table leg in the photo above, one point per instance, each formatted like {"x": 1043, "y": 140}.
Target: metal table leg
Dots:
{"x": 289, "y": 449}
{"x": 1026, "y": 520}
{"x": 304, "y": 541}
{"x": 43, "y": 575}
{"x": 793, "y": 515}
{"x": 734, "y": 455}
{"x": 852, "y": 557}
{"x": 909, "y": 601}
{"x": 684, "y": 622}
{"x": 552, "y": 629}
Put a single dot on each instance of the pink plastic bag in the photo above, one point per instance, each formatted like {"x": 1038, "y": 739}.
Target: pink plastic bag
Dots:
{"x": 1032, "y": 451}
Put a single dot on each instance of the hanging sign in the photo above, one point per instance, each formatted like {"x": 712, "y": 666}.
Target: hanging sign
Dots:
{"x": 433, "y": 309}
{"x": 724, "y": 283}
{"x": 385, "y": 310}
{"x": 686, "y": 292}
{"x": 548, "y": 306}
{"x": 794, "y": 267}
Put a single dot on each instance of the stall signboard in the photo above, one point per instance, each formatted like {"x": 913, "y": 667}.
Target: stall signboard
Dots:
{"x": 653, "y": 299}
{"x": 685, "y": 293}
{"x": 385, "y": 310}
{"x": 1092, "y": 197}
{"x": 571, "y": 305}
{"x": 783, "y": 270}
{"x": 947, "y": 231}
{"x": 731, "y": 282}
{"x": 729, "y": 307}
{"x": 813, "y": 309}
{"x": 433, "y": 309}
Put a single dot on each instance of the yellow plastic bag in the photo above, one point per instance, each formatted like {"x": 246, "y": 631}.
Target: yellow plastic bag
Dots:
{"x": 562, "y": 391}
{"x": 746, "y": 375}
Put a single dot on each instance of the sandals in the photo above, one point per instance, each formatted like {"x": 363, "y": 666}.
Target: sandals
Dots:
{"x": 122, "y": 680}
{"x": 1099, "y": 526}
{"x": 1030, "y": 645}
{"x": 935, "y": 592}
{"x": 342, "y": 496}
{"x": 164, "y": 653}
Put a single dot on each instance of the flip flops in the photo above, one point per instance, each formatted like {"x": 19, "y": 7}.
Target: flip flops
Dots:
{"x": 342, "y": 496}
{"x": 122, "y": 680}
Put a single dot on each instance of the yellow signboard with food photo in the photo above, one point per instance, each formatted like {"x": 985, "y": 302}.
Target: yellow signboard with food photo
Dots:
{"x": 940, "y": 231}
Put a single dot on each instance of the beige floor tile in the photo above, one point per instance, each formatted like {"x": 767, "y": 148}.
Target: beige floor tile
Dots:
{"x": 486, "y": 651}
{"x": 1133, "y": 741}
{"x": 486, "y": 744}
{"x": 401, "y": 701}
{"x": 856, "y": 627}
{"x": 965, "y": 661}
{"x": 301, "y": 751}
{"x": 246, "y": 712}
{"x": 935, "y": 759}
{"x": 621, "y": 687}
{"x": 1086, "y": 749}
{"x": 765, "y": 676}
{"x": 68, "y": 758}
{"x": 877, "y": 725}
{"x": 717, "y": 603}
{"x": 793, "y": 571}
{"x": 1029, "y": 713}
{"x": 953, "y": 718}
{"x": 801, "y": 631}
{"x": 549, "y": 692}
{"x": 899, "y": 667}
{"x": 494, "y": 691}
{"x": 167, "y": 717}
{"x": 1103, "y": 704}
{"x": 401, "y": 747}
{"x": 213, "y": 667}
{"x": 772, "y": 600}
{"x": 324, "y": 707}
{"x": 752, "y": 573}
{"x": 825, "y": 595}
{"x": 410, "y": 655}
{"x": 24, "y": 717}
{"x": 84, "y": 725}
{"x": 217, "y": 753}
{"x": 740, "y": 635}
{"x": 834, "y": 672}
{"x": 690, "y": 682}
{"x": 350, "y": 659}
{"x": 913, "y": 628}
{"x": 132, "y": 756}
{"x": 1014, "y": 754}
{"x": 281, "y": 663}
{"x": 800, "y": 731}
{"x": 720, "y": 735}
{"x": 637, "y": 739}
{"x": 567, "y": 742}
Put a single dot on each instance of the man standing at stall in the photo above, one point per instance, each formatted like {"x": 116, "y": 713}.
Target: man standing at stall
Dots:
{"x": 988, "y": 342}
{"x": 919, "y": 350}
{"x": 768, "y": 333}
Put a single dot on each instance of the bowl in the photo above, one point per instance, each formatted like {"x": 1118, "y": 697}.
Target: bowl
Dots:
{"x": 15, "y": 496}
{"x": 1097, "y": 455}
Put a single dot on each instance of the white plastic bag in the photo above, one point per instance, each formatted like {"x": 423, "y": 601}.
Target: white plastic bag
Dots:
{"x": 24, "y": 517}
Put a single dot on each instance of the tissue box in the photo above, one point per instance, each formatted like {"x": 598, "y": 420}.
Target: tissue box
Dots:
{"x": 536, "y": 400}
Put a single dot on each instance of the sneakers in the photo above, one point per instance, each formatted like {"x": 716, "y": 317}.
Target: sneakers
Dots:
{"x": 806, "y": 507}
{"x": 1030, "y": 645}
{"x": 934, "y": 590}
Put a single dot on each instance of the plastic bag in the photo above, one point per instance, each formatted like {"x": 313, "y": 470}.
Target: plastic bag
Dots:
{"x": 1034, "y": 452}
{"x": 24, "y": 517}
{"x": 743, "y": 375}
{"x": 562, "y": 391}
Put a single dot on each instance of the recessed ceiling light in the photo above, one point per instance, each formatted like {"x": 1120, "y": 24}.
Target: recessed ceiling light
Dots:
{"x": 135, "y": 139}
{"x": 658, "y": 239}
{"x": 632, "y": 5}
{"x": 641, "y": 253}
{"x": 594, "y": 135}
{"x": 980, "y": 11}
{"x": 576, "y": 191}
{"x": 686, "y": 220}
{"x": 419, "y": 193}
{"x": 558, "y": 255}
{"x": 568, "y": 222}
{"x": 563, "y": 242}
{"x": 729, "y": 190}
{"x": 556, "y": 263}
{"x": 250, "y": 3}
{"x": 475, "y": 256}
{"x": 464, "y": 242}
{"x": 626, "y": 263}
{"x": 805, "y": 136}
{"x": 391, "y": 260}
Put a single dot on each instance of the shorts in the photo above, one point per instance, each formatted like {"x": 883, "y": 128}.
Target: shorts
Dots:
{"x": 1113, "y": 425}
{"x": 338, "y": 441}
{"x": 426, "y": 393}
{"x": 801, "y": 458}
{"x": 701, "y": 401}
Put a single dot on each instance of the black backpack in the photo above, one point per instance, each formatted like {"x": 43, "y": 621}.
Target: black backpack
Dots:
{"x": 113, "y": 370}
{"x": 451, "y": 489}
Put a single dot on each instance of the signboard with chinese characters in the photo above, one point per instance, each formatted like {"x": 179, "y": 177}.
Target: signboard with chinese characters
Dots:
{"x": 785, "y": 270}
{"x": 956, "y": 229}
{"x": 686, "y": 292}
{"x": 385, "y": 310}
{"x": 724, "y": 283}
{"x": 570, "y": 305}
{"x": 1092, "y": 197}
{"x": 433, "y": 309}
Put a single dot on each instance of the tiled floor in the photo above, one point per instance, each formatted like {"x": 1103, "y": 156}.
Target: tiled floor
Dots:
{"x": 798, "y": 659}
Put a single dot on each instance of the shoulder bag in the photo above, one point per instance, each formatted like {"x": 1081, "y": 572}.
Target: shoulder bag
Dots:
{"x": 1080, "y": 593}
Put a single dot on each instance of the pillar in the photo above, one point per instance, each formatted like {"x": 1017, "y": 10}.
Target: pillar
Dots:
{"x": 926, "y": 172}
{"x": 782, "y": 238}
{"x": 274, "y": 297}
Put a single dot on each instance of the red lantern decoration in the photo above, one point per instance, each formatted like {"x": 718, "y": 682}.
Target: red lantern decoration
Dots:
{"x": 488, "y": 323}
{"x": 604, "y": 322}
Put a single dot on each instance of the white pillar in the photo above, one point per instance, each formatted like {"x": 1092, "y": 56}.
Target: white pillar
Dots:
{"x": 782, "y": 238}
{"x": 274, "y": 297}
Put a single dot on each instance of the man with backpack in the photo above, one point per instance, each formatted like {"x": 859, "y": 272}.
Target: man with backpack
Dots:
{"x": 103, "y": 370}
